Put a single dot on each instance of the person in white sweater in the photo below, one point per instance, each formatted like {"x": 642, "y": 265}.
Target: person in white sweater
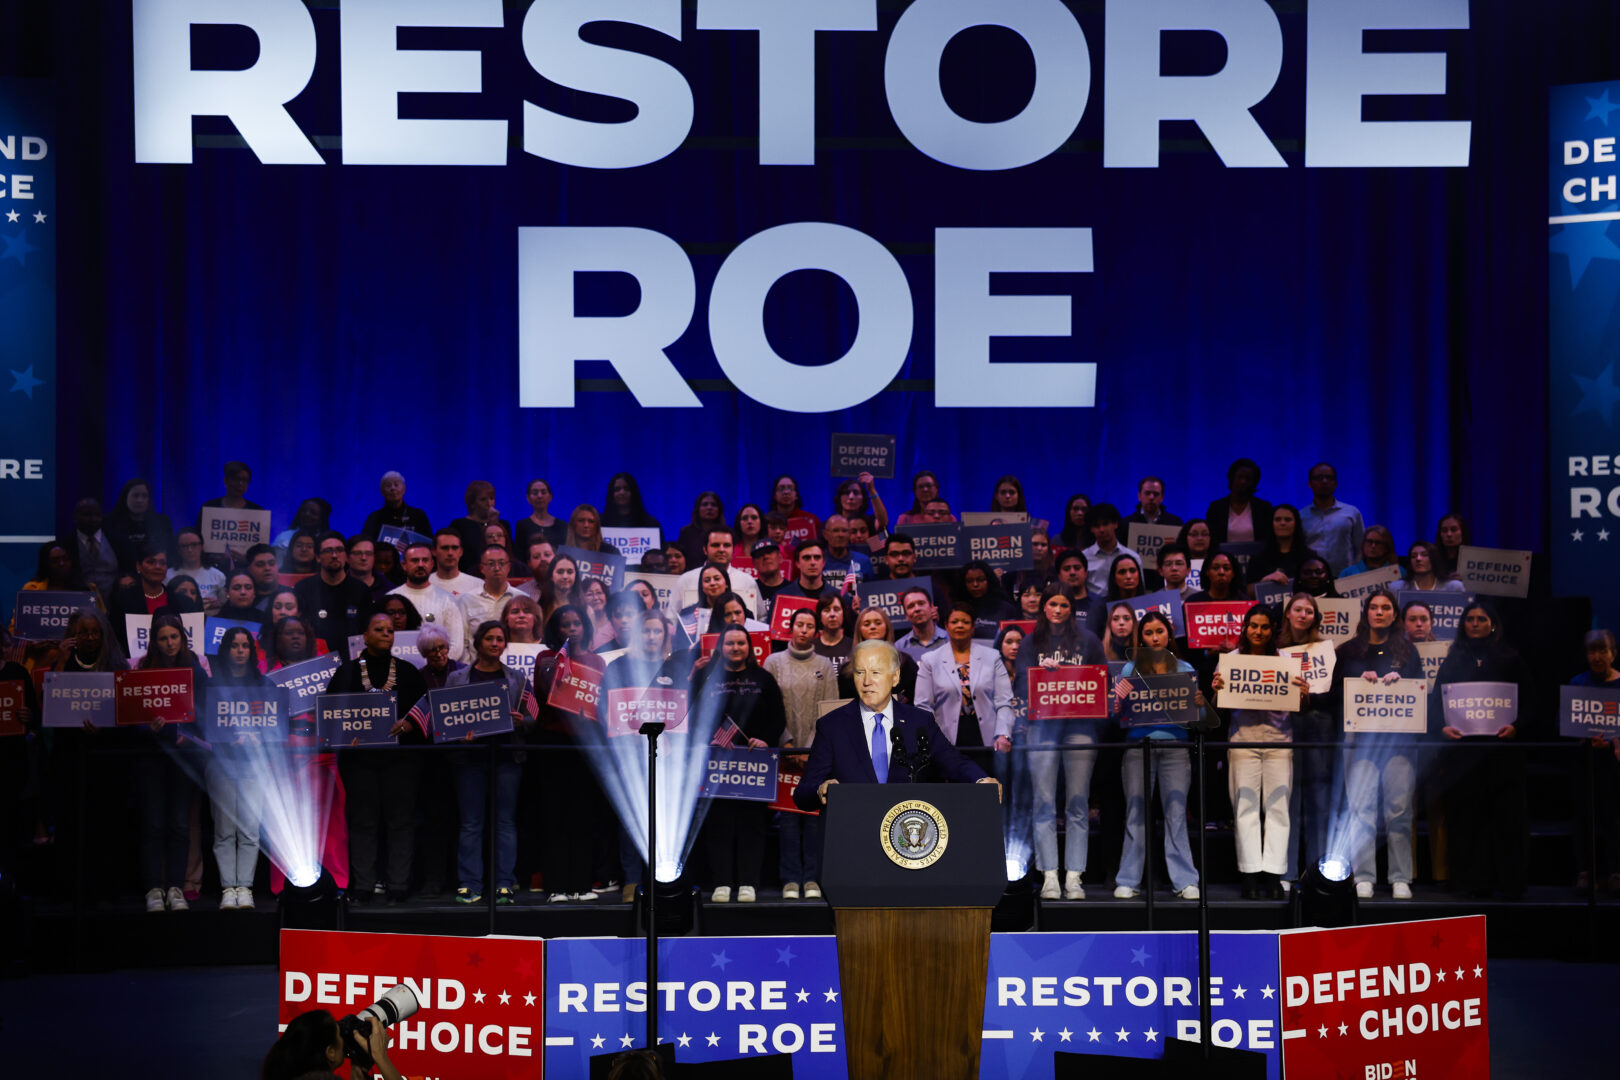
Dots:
{"x": 807, "y": 679}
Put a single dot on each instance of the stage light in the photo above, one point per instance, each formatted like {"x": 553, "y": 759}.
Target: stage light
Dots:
{"x": 1334, "y": 867}
{"x": 315, "y": 906}
{"x": 1326, "y": 896}
{"x": 305, "y": 876}
{"x": 1015, "y": 869}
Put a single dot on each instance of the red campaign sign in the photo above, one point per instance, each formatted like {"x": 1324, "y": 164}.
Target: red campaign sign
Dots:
{"x": 789, "y": 771}
{"x": 630, "y": 707}
{"x": 1387, "y": 1002}
{"x": 1214, "y": 624}
{"x": 782, "y": 614}
{"x": 577, "y": 684}
{"x": 1026, "y": 625}
{"x": 745, "y": 563}
{"x": 140, "y": 697}
{"x": 482, "y": 1000}
{"x": 1069, "y": 693}
{"x": 801, "y": 527}
{"x": 12, "y": 703}
{"x": 291, "y": 580}
{"x": 760, "y": 638}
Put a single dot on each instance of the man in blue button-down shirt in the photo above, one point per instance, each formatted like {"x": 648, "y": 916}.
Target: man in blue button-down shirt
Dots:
{"x": 1332, "y": 528}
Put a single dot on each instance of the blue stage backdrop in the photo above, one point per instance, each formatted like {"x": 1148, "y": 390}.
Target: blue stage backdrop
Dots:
{"x": 1207, "y": 230}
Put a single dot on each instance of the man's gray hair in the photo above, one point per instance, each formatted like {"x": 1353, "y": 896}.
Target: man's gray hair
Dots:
{"x": 891, "y": 655}
{"x": 391, "y": 474}
{"x": 429, "y": 634}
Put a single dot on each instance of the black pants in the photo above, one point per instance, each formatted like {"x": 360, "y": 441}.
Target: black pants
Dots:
{"x": 735, "y": 831}
{"x": 436, "y": 800}
{"x": 576, "y": 816}
{"x": 381, "y": 786}
{"x": 1597, "y": 792}
{"x": 163, "y": 791}
{"x": 1486, "y": 816}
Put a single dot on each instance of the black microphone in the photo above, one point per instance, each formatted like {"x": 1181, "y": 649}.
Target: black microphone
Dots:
{"x": 923, "y": 756}
{"x": 897, "y": 752}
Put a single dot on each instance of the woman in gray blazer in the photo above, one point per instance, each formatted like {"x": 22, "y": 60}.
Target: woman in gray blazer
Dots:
{"x": 967, "y": 688}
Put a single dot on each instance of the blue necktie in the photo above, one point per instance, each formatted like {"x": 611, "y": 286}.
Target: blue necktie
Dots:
{"x": 880, "y": 750}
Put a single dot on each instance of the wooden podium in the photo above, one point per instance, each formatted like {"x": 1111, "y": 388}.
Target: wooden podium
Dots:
{"x": 914, "y": 926}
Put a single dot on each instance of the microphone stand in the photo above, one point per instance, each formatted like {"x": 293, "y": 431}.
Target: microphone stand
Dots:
{"x": 924, "y": 758}
{"x": 898, "y": 755}
{"x": 649, "y": 888}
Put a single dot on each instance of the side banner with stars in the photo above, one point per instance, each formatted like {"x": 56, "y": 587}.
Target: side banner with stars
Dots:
{"x": 1405, "y": 999}
{"x": 482, "y": 999}
{"x": 721, "y": 998}
{"x": 1583, "y": 196}
{"x": 28, "y": 315}
{"x": 1124, "y": 994}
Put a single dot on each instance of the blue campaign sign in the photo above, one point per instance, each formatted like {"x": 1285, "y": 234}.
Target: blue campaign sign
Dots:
{"x": 886, "y": 596}
{"x": 1446, "y": 608}
{"x": 1124, "y": 994}
{"x": 362, "y": 719}
{"x": 1161, "y": 699}
{"x": 741, "y": 773}
{"x": 1271, "y": 593}
{"x": 475, "y": 709}
{"x": 1004, "y": 547}
{"x": 604, "y": 566}
{"x": 401, "y": 538}
{"x": 1166, "y": 602}
{"x": 240, "y": 714}
{"x": 214, "y": 632}
{"x": 306, "y": 682}
{"x": 720, "y": 999}
{"x": 939, "y": 546}
{"x": 44, "y": 614}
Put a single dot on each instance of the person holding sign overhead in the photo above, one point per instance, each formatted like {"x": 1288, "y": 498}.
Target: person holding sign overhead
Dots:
{"x": 1486, "y": 809}
{"x": 470, "y": 773}
{"x": 1379, "y": 652}
{"x": 1261, "y": 778}
{"x": 1598, "y": 780}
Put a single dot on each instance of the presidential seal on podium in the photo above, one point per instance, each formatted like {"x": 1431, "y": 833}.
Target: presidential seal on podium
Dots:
{"x": 914, "y": 834}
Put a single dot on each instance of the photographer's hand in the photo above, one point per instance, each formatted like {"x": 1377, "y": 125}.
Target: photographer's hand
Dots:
{"x": 376, "y": 1044}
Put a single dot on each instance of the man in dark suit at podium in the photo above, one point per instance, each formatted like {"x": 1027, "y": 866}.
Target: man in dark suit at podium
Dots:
{"x": 858, "y": 742}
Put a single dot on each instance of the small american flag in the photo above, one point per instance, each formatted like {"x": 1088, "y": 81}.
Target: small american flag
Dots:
{"x": 727, "y": 734}
{"x": 530, "y": 705}
{"x": 420, "y": 716}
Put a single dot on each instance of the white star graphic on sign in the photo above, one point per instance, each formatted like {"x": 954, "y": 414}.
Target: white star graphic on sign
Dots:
{"x": 1152, "y": 1036}
{"x": 1238, "y": 991}
{"x": 1036, "y": 1034}
{"x": 626, "y": 1041}
{"x": 11, "y": 216}
{"x": 685, "y": 1039}
{"x": 1268, "y": 993}
{"x": 478, "y": 996}
{"x": 506, "y": 999}
{"x": 1065, "y": 1034}
{"x": 1321, "y": 1032}
{"x": 1441, "y": 974}
{"x": 1576, "y": 535}
{"x": 596, "y": 1042}
{"x": 39, "y": 217}
{"x": 714, "y": 1040}
{"x": 528, "y": 999}
{"x": 803, "y": 995}
{"x": 832, "y": 995}
{"x": 1094, "y": 1035}
{"x": 1603, "y": 534}
{"x": 1122, "y": 1035}
{"x": 1459, "y": 973}
{"x": 1478, "y": 971}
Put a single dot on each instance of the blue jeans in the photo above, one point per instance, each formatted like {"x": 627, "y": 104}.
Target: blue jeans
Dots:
{"x": 799, "y": 836}
{"x": 1172, "y": 771}
{"x": 470, "y": 774}
{"x": 1077, "y": 768}
{"x": 1311, "y": 801}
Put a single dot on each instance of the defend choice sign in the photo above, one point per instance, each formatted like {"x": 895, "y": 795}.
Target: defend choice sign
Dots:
{"x": 1214, "y": 624}
{"x": 1584, "y": 711}
{"x": 855, "y": 454}
{"x": 224, "y": 529}
{"x": 1069, "y": 693}
{"x": 1480, "y": 708}
{"x": 741, "y": 773}
{"x": 1494, "y": 572}
{"x": 159, "y": 694}
{"x": 782, "y": 614}
{"x": 1399, "y": 707}
{"x": 939, "y": 546}
{"x": 1356, "y": 586}
{"x": 340, "y": 719}
{"x": 1258, "y": 682}
{"x": 630, "y": 707}
{"x": 1161, "y": 699}
{"x": 477, "y": 709}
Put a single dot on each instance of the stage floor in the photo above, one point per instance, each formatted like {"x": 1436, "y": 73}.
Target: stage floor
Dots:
{"x": 205, "y": 1022}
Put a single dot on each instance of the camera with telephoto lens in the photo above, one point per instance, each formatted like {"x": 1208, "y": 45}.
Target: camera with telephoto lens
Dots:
{"x": 398, "y": 1004}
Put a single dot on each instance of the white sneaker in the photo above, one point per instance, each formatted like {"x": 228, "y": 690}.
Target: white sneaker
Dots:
{"x": 1363, "y": 890}
{"x": 1125, "y": 892}
{"x": 177, "y": 899}
{"x": 812, "y": 891}
{"x": 1401, "y": 890}
{"x": 722, "y": 895}
{"x": 1189, "y": 893}
{"x": 227, "y": 902}
{"x": 1287, "y": 887}
{"x": 1072, "y": 889}
{"x": 790, "y": 891}
{"x": 745, "y": 894}
{"x": 154, "y": 900}
{"x": 561, "y": 898}
{"x": 1049, "y": 885}
{"x": 588, "y": 894}
{"x": 244, "y": 898}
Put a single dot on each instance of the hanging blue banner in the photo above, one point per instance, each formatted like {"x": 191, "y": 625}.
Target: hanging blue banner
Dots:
{"x": 1583, "y": 196}
{"x": 28, "y": 313}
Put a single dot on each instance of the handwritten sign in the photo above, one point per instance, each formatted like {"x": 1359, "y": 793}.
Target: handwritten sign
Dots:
{"x": 1494, "y": 571}
{"x": 784, "y": 610}
{"x": 1316, "y": 663}
{"x": 1214, "y": 624}
{"x": 1146, "y": 540}
{"x": 1356, "y": 586}
{"x": 1264, "y": 683}
{"x": 1588, "y": 711}
{"x": 156, "y": 695}
{"x": 1160, "y": 699}
{"x": 630, "y": 707}
{"x": 738, "y": 772}
{"x": 855, "y": 454}
{"x": 476, "y": 709}
{"x": 44, "y": 614}
{"x": 341, "y": 719}
{"x": 1401, "y": 707}
{"x": 1166, "y": 602}
{"x": 224, "y": 529}
{"x": 1068, "y": 693}
{"x": 1480, "y": 708}
{"x": 1340, "y": 618}
{"x": 633, "y": 542}
{"x": 72, "y": 697}
{"x": 306, "y": 681}
{"x": 234, "y": 714}
{"x": 1004, "y": 546}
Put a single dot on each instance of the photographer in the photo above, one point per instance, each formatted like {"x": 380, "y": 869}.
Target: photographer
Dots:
{"x": 312, "y": 1044}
